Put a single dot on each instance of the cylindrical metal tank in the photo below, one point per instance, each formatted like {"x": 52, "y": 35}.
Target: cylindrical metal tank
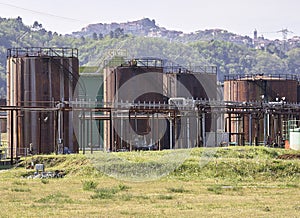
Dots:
{"x": 134, "y": 81}
{"x": 247, "y": 88}
{"x": 144, "y": 81}
{"x": 41, "y": 78}
{"x": 265, "y": 128}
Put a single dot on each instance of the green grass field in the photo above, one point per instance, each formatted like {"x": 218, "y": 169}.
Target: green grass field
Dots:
{"x": 234, "y": 182}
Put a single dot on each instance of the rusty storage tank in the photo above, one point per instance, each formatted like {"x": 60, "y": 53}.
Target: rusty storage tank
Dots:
{"x": 200, "y": 82}
{"x": 150, "y": 80}
{"x": 298, "y": 93}
{"x": 41, "y": 78}
{"x": 3, "y": 118}
{"x": 259, "y": 88}
{"x": 137, "y": 81}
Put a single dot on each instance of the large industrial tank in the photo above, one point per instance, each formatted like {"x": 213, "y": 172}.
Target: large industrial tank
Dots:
{"x": 281, "y": 88}
{"x": 144, "y": 81}
{"x": 138, "y": 81}
{"x": 41, "y": 78}
{"x": 267, "y": 88}
{"x": 134, "y": 78}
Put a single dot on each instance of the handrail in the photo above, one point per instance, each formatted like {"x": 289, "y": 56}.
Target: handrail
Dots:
{"x": 41, "y": 51}
{"x": 167, "y": 66}
{"x": 261, "y": 76}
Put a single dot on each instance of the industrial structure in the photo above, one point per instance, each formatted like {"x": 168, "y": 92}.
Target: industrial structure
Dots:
{"x": 140, "y": 104}
{"x": 39, "y": 82}
{"x": 154, "y": 81}
{"x": 257, "y": 127}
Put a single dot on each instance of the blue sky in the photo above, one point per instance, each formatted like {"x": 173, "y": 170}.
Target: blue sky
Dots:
{"x": 242, "y": 17}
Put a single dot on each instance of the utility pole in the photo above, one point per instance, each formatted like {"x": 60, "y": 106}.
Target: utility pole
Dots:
{"x": 285, "y": 33}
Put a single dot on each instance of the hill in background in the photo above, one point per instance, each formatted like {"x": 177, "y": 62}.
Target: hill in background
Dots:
{"x": 231, "y": 53}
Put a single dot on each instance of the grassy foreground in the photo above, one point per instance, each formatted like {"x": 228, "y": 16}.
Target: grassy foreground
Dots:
{"x": 233, "y": 182}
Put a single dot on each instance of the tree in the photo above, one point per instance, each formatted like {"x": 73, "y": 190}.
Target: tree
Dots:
{"x": 118, "y": 33}
{"x": 293, "y": 61}
{"x": 95, "y": 37}
{"x": 111, "y": 34}
{"x": 269, "y": 64}
{"x": 37, "y": 26}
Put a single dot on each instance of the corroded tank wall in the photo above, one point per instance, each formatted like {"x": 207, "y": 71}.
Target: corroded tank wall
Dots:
{"x": 192, "y": 86}
{"x": 132, "y": 83}
{"x": 298, "y": 93}
{"x": 3, "y": 118}
{"x": 247, "y": 90}
{"x": 262, "y": 89}
{"x": 144, "y": 83}
{"x": 41, "y": 81}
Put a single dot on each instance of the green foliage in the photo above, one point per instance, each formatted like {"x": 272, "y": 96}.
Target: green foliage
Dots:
{"x": 89, "y": 185}
{"x": 126, "y": 197}
{"x": 197, "y": 49}
{"x": 20, "y": 190}
{"x": 178, "y": 190}
{"x": 45, "y": 181}
{"x": 18, "y": 182}
{"x": 55, "y": 198}
{"x": 123, "y": 187}
{"x": 108, "y": 193}
{"x": 165, "y": 197}
{"x": 217, "y": 189}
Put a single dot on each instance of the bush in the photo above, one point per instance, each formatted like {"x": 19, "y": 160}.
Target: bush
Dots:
{"x": 89, "y": 185}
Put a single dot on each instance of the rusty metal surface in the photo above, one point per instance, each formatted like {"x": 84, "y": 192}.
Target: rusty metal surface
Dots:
{"x": 264, "y": 89}
{"x": 150, "y": 84}
{"x": 252, "y": 90}
{"x": 40, "y": 82}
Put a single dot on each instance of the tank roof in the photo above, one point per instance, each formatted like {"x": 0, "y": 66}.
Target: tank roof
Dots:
{"x": 38, "y": 52}
{"x": 166, "y": 65}
{"x": 254, "y": 77}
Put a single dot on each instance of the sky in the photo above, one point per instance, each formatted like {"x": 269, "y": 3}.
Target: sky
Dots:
{"x": 237, "y": 16}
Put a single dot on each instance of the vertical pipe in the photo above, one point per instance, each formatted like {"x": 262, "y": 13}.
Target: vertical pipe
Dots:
{"x": 59, "y": 127}
{"x": 268, "y": 124}
{"x": 111, "y": 130}
{"x": 203, "y": 130}
{"x": 83, "y": 132}
{"x": 265, "y": 128}
{"x": 80, "y": 132}
{"x": 129, "y": 133}
{"x": 175, "y": 132}
{"x": 197, "y": 129}
{"x": 157, "y": 132}
{"x": 54, "y": 135}
{"x": 171, "y": 132}
{"x": 229, "y": 127}
{"x": 250, "y": 129}
{"x": 40, "y": 135}
{"x": 11, "y": 137}
{"x": 99, "y": 133}
{"x": 152, "y": 130}
{"x": 188, "y": 131}
{"x": 200, "y": 130}
{"x": 215, "y": 120}
{"x": 121, "y": 131}
{"x": 0, "y": 132}
{"x": 243, "y": 129}
{"x": 91, "y": 131}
